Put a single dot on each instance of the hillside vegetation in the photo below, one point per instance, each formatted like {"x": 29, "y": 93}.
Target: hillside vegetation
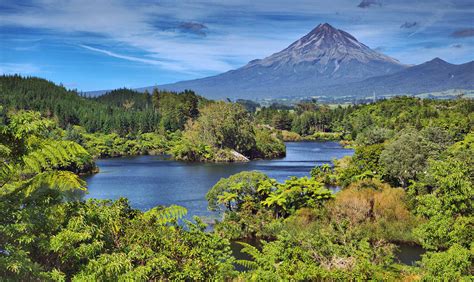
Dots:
{"x": 410, "y": 180}
{"x": 126, "y": 122}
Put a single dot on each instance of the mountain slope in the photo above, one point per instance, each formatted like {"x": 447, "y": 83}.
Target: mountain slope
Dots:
{"x": 432, "y": 76}
{"x": 325, "y": 56}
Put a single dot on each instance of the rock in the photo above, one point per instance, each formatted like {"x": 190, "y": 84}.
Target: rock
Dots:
{"x": 238, "y": 157}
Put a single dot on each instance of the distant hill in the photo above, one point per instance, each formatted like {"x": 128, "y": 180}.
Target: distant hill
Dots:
{"x": 433, "y": 76}
{"x": 327, "y": 62}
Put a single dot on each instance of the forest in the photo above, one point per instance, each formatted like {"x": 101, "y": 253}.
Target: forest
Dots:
{"x": 125, "y": 122}
{"x": 409, "y": 181}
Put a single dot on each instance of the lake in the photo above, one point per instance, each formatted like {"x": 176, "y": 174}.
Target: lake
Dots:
{"x": 148, "y": 181}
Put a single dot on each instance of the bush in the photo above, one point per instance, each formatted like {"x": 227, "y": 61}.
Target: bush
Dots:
{"x": 268, "y": 145}
{"x": 451, "y": 265}
{"x": 289, "y": 136}
{"x": 381, "y": 209}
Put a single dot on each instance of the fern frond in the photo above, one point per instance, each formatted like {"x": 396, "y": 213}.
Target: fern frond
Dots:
{"x": 55, "y": 154}
{"x": 247, "y": 263}
{"x": 64, "y": 181}
{"x": 249, "y": 249}
{"x": 6, "y": 170}
{"x": 27, "y": 123}
{"x": 4, "y": 150}
{"x": 165, "y": 215}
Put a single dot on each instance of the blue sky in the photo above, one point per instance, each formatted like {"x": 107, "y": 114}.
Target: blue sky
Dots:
{"x": 105, "y": 44}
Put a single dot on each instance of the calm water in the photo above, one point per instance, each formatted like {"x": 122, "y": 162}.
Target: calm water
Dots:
{"x": 148, "y": 181}
{"x": 409, "y": 254}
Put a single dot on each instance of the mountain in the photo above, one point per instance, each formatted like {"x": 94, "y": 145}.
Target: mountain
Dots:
{"x": 328, "y": 62}
{"x": 325, "y": 56}
{"x": 432, "y": 76}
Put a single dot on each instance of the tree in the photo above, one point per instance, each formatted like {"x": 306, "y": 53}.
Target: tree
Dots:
{"x": 296, "y": 193}
{"x": 245, "y": 186}
{"x": 104, "y": 113}
{"x": 444, "y": 198}
{"x": 226, "y": 125}
{"x": 104, "y": 240}
{"x": 268, "y": 145}
{"x": 240, "y": 196}
{"x": 34, "y": 178}
{"x": 282, "y": 120}
{"x": 176, "y": 108}
{"x": 305, "y": 124}
{"x": 406, "y": 157}
{"x": 373, "y": 135}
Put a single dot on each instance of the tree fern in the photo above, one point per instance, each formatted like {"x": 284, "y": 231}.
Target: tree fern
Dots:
{"x": 55, "y": 154}
{"x": 26, "y": 123}
{"x": 61, "y": 180}
{"x": 4, "y": 151}
{"x": 64, "y": 181}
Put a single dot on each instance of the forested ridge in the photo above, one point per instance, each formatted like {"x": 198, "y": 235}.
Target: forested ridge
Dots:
{"x": 71, "y": 109}
{"x": 410, "y": 180}
{"x": 126, "y": 122}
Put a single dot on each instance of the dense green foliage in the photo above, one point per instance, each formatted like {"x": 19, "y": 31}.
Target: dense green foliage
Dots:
{"x": 71, "y": 109}
{"x": 312, "y": 234}
{"x": 42, "y": 236}
{"x": 102, "y": 145}
{"x": 410, "y": 180}
{"x": 226, "y": 131}
{"x": 177, "y": 109}
{"x": 252, "y": 200}
{"x": 126, "y": 122}
{"x": 455, "y": 116}
{"x": 425, "y": 147}
{"x": 305, "y": 119}
{"x": 126, "y": 99}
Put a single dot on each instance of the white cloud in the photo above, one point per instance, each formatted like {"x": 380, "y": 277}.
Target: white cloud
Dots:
{"x": 129, "y": 58}
{"x": 237, "y": 29}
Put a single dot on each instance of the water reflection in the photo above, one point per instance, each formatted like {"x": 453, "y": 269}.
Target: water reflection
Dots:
{"x": 409, "y": 254}
{"x": 148, "y": 181}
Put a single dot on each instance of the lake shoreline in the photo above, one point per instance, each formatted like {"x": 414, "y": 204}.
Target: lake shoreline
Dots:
{"x": 156, "y": 180}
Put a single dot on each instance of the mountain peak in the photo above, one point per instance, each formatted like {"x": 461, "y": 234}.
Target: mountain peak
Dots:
{"x": 325, "y": 45}
{"x": 324, "y": 26}
{"x": 435, "y": 63}
{"x": 438, "y": 60}
{"x": 330, "y": 36}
